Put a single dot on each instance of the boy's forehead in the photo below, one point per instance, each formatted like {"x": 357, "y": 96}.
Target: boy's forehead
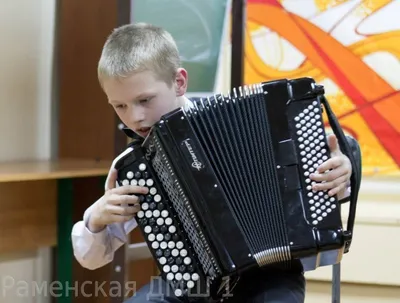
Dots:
{"x": 128, "y": 88}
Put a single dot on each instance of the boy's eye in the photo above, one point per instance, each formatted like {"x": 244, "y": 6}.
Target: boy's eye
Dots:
{"x": 120, "y": 106}
{"x": 144, "y": 100}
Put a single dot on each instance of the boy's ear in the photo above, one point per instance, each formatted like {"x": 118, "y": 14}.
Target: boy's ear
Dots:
{"x": 181, "y": 81}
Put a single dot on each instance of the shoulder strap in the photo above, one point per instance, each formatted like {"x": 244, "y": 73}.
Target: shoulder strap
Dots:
{"x": 351, "y": 149}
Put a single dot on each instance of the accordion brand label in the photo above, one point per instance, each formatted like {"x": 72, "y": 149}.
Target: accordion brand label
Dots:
{"x": 190, "y": 154}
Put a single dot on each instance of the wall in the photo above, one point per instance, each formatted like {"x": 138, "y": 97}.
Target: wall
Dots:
{"x": 26, "y": 56}
{"x": 26, "y": 120}
{"x": 369, "y": 270}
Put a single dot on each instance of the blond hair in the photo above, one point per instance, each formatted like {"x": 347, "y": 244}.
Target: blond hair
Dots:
{"x": 139, "y": 47}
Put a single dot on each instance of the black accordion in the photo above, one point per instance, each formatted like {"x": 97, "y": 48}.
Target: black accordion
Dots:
{"x": 229, "y": 187}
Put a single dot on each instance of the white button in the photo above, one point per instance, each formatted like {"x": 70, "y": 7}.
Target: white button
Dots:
{"x": 170, "y": 276}
{"x": 142, "y": 166}
{"x": 129, "y": 175}
{"x": 149, "y": 182}
{"x": 168, "y": 221}
{"x": 160, "y": 221}
{"x": 195, "y": 277}
{"x": 178, "y": 276}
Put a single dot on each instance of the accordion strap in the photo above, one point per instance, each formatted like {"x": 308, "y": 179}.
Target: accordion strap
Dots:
{"x": 355, "y": 179}
{"x": 351, "y": 149}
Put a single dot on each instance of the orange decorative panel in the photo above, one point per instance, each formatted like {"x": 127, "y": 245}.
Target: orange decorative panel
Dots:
{"x": 352, "y": 48}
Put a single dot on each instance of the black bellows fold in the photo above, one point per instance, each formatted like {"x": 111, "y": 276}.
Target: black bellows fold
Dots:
{"x": 234, "y": 131}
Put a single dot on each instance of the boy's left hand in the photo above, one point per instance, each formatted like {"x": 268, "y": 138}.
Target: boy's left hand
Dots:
{"x": 336, "y": 180}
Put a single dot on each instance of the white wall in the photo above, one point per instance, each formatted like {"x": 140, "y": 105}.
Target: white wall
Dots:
{"x": 369, "y": 272}
{"x": 26, "y": 132}
{"x": 25, "y": 277}
{"x": 26, "y": 57}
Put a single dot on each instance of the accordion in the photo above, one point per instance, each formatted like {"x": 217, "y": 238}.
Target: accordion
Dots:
{"x": 229, "y": 186}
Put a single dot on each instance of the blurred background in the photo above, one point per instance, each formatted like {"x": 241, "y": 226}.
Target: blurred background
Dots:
{"x": 59, "y": 136}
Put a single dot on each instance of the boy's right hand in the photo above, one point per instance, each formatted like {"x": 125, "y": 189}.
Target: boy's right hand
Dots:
{"x": 118, "y": 204}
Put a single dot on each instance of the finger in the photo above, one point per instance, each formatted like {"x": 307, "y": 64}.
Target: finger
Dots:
{"x": 331, "y": 163}
{"x": 113, "y": 174}
{"x": 111, "y": 179}
{"x": 331, "y": 184}
{"x": 130, "y": 189}
{"x": 121, "y": 219}
{"x": 330, "y": 175}
{"x": 123, "y": 210}
{"x": 333, "y": 143}
{"x": 336, "y": 190}
{"x": 123, "y": 199}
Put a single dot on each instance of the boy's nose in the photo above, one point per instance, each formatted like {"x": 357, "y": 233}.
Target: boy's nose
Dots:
{"x": 136, "y": 116}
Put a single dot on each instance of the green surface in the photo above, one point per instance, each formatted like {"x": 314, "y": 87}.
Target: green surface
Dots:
{"x": 64, "y": 288}
{"x": 64, "y": 246}
{"x": 197, "y": 27}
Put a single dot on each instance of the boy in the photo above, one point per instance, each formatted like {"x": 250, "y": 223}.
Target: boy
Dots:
{"x": 139, "y": 71}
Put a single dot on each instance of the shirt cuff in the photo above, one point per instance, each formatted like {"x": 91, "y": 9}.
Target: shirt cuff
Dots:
{"x": 88, "y": 237}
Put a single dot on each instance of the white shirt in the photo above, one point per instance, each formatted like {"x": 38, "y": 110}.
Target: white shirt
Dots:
{"x": 94, "y": 250}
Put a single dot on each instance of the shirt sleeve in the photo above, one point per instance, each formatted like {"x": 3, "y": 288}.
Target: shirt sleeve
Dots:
{"x": 94, "y": 250}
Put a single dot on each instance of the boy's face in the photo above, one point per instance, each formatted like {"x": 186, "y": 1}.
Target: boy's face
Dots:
{"x": 141, "y": 99}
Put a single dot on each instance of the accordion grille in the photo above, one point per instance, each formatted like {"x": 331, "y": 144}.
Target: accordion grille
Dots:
{"x": 162, "y": 166}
